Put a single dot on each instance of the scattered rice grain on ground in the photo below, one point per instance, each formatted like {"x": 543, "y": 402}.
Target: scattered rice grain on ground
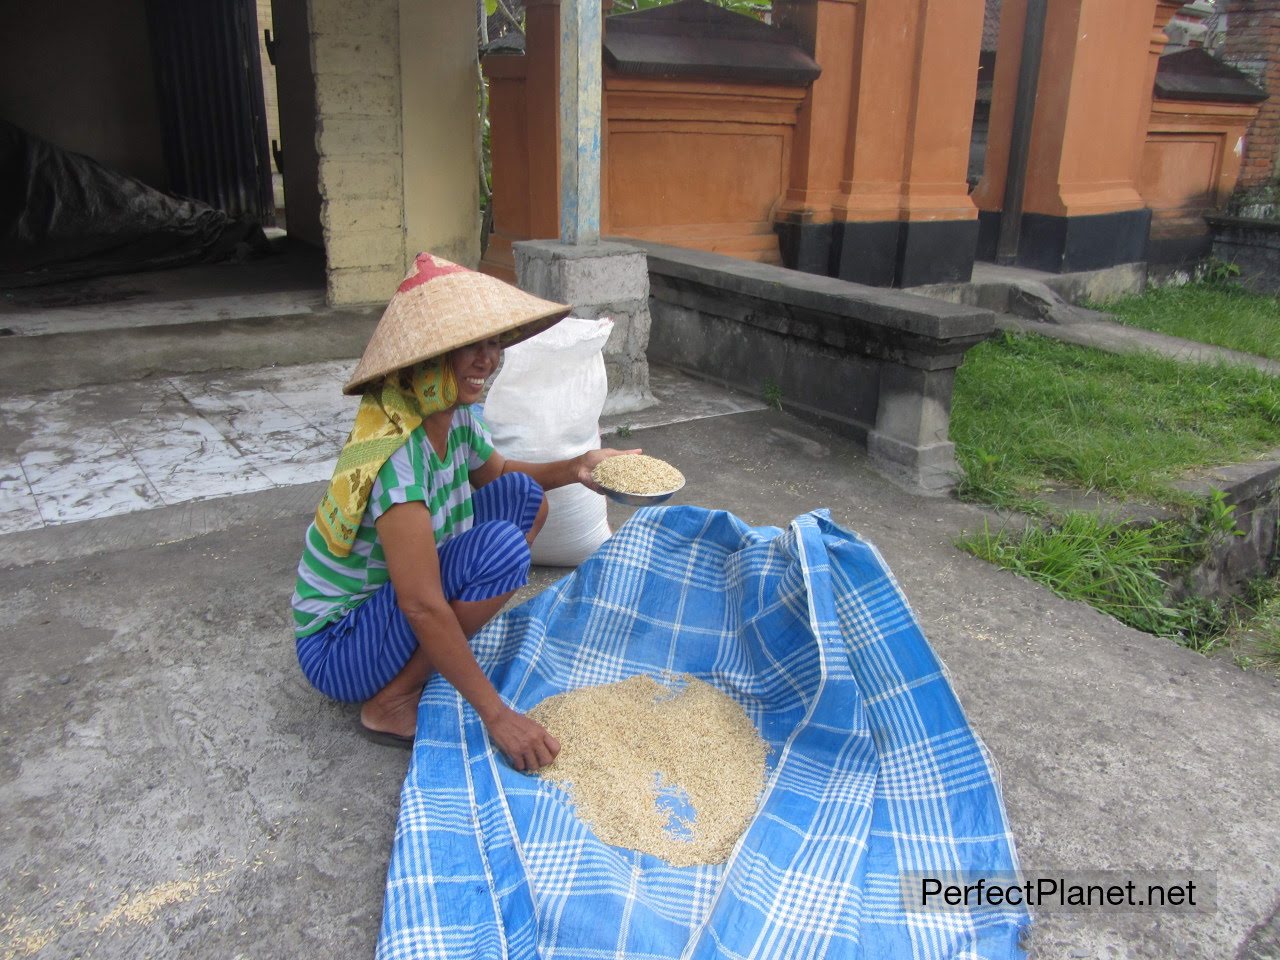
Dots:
{"x": 637, "y": 473}
{"x": 624, "y": 744}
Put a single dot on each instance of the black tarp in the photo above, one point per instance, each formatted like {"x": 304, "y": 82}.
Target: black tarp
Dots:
{"x": 64, "y": 216}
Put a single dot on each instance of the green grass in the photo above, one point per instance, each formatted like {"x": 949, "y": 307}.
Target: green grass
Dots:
{"x": 1118, "y": 568}
{"x": 1253, "y": 638}
{"x": 1031, "y": 414}
{"x": 1217, "y": 313}
{"x": 1114, "y": 567}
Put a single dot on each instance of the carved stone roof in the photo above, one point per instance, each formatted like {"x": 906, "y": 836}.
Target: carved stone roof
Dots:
{"x": 1195, "y": 75}
{"x": 693, "y": 39}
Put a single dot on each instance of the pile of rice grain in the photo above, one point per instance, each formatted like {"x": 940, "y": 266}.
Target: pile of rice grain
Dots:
{"x": 622, "y": 745}
{"x": 637, "y": 473}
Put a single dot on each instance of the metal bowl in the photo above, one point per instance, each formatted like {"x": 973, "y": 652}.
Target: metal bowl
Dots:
{"x": 642, "y": 499}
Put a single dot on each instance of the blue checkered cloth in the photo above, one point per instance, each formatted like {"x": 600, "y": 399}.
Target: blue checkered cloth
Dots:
{"x": 874, "y": 772}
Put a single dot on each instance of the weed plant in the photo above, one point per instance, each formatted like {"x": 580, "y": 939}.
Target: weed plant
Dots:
{"x": 1214, "y": 312}
{"x": 1254, "y": 633}
{"x": 1113, "y": 566}
{"x": 1118, "y": 567}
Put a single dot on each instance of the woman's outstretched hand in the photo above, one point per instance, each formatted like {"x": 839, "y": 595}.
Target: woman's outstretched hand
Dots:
{"x": 526, "y": 743}
{"x": 588, "y": 462}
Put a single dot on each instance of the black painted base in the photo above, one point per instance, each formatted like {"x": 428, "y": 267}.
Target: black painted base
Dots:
{"x": 936, "y": 251}
{"x": 805, "y": 246}
{"x": 988, "y": 235}
{"x": 866, "y": 252}
{"x": 1172, "y": 253}
{"x": 896, "y": 254}
{"x": 1068, "y": 244}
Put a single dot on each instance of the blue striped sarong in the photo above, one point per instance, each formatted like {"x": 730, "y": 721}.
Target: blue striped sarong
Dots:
{"x": 353, "y": 658}
{"x": 874, "y": 772}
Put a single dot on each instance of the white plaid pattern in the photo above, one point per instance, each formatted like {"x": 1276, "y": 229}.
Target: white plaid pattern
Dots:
{"x": 873, "y": 769}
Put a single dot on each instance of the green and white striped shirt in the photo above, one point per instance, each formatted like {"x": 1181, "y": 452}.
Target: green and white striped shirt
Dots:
{"x": 329, "y": 586}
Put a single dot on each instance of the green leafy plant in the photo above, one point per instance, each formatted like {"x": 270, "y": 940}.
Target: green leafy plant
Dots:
{"x": 1217, "y": 518}
{"x": 1215, "y": 272}
{"x": 1203, "y": 624}
{"x": 623, "y": 433}
{"x": 772, "y": 393}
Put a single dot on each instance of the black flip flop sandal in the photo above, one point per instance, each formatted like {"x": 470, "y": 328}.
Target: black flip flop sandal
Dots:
{"x": 384, "y": 737}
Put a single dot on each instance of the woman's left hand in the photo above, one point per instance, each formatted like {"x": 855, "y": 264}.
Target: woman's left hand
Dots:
{"x": 588, "y": 462}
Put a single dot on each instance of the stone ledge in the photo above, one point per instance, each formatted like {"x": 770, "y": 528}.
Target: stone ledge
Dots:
{"x": 874, "y": 365}
{"x": 829, "y": 300}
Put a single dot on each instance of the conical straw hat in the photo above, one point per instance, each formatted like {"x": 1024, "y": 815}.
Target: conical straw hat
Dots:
{"x": 441, "y": 306}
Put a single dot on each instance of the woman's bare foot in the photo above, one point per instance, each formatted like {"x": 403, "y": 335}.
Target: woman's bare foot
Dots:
{"x": 396, "y": 714}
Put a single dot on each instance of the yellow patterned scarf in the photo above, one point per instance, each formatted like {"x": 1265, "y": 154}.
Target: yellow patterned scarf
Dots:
{"x": 389, "y": 411}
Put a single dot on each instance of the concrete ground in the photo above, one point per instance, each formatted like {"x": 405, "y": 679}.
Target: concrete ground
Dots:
{"x": 170, "y": 786}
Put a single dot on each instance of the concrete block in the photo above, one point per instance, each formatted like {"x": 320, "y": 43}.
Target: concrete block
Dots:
{"x": 358, "y": 56}
{"x": 617, "y": 276}
{"x": 533, "y": 274}
{"x": 383, "y": 249}
{"x": 352, "y": 18}
{"x": 362, "y": 285}
{"x": 366, "y": 213}
{"x": 639, "y": 324}
{"x": 342, "y": 94}
{"x": 346, "y": 135}
{"x": 914, "y": 405}
{"x": 929, "y": 471}
{"x": 628, "y": 388}
{"x": 347, "y": 178}
{"x": 599, "y": 280}
{"x": 615, "y": 347}
{"x": 589, "y": 273}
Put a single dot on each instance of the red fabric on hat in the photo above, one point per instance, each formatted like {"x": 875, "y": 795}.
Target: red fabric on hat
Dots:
{"x": 428, "y": 268}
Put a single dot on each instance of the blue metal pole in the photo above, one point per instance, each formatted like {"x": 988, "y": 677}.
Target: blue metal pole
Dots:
{"x": 580, "y": 106}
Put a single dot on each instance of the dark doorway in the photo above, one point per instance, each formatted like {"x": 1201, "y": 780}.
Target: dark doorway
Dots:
{"x": 213, "y": 117}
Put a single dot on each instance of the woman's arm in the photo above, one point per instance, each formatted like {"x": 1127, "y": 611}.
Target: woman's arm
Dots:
{"x": 558, "y": 473}
{"x": 408, "y": 542}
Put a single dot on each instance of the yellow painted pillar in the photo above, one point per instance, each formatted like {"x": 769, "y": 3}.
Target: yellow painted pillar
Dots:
{"x": 439, "y": 131}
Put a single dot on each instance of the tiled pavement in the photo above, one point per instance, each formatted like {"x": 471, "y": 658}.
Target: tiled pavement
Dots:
{"x": 100, "y": 451}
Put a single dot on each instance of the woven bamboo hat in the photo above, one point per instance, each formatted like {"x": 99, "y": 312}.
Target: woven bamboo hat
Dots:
{"x": 441, "y": 306}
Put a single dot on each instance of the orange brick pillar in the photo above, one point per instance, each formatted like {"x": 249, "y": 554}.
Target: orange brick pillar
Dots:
{"x": 1253, "y": 45}
{"x": 524, "y": 138}
{"x": 1081, "y": 206}
{"x": 829, "y": 31}
{"x": 904, "y": 216}
{"x": 1165, "y": 9}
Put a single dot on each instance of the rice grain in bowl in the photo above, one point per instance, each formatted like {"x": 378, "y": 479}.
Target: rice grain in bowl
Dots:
{"x": 636, "y": 473}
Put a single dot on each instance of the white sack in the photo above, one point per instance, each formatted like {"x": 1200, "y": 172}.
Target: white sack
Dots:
{"x": 545, "y": 405}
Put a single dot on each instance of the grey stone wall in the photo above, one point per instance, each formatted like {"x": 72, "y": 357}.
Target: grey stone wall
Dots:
{"x": 874, "y": 364}
{"x": 1253, "y": 246}
{"x": 1231, "y": 560}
